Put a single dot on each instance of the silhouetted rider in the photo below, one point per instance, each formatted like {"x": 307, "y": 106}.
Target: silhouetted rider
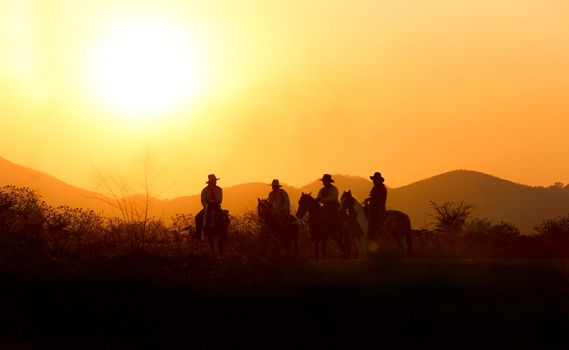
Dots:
{"x": 328, "y": 196}
{"x": 279, "y": 199}
{"x": 376, "y": 204}
{"x": 210, "y": 194}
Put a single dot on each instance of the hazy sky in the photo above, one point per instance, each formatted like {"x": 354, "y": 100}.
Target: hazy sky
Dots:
{"x": 257, "y": 89}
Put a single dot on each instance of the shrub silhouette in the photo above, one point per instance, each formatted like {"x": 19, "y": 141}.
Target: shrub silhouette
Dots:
{"x": 554, "y": 228}
{"x": 451, "y": 217}
{"x": 485, "y": 229}
{"x": 22, "y": 215}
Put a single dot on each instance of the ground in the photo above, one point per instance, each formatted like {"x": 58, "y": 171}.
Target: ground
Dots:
{"x": 423, "y": 302}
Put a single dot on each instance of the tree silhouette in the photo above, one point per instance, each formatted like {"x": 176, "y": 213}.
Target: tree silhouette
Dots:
{"x": 451, "y": 217}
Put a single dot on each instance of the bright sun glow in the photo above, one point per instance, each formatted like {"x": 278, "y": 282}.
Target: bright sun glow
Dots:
{"x": 145, "y": 67}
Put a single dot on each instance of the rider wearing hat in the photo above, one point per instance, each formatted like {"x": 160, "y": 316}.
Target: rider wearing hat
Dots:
{"x": 376, "y": 203}
{"x": 210, "y": 194}
{"x": 279, "y": 199}
{"x": 328, "y": 195}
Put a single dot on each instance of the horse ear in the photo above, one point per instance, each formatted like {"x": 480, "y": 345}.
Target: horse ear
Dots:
{"x": 350, "y": 191}
{"x": 310, "y": 193}
{"x": 258, "y": 199}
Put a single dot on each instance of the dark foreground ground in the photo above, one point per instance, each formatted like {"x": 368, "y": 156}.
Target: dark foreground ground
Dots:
{"x": 422, "y": 303}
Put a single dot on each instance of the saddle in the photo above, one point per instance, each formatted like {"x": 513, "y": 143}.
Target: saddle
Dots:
{"x": 215, "y": 215}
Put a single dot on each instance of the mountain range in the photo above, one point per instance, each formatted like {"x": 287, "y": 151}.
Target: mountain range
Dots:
{"x": 493, "y": 198}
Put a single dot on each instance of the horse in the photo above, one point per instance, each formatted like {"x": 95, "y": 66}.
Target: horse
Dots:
{"x": 216, "y": 223}
{"x": 354, "y": 225}
{"x": 275, "y": 225}
{"x": 395, "y": 223}
{"x": 320, "y": 224}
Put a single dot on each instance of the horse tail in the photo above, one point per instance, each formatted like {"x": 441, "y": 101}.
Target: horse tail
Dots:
{"x": 408, "y": 236}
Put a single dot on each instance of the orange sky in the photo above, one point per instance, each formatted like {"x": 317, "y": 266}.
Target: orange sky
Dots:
{"x": 290, "y": 89}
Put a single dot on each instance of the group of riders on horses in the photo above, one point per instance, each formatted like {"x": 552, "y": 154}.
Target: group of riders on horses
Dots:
{"x": 212, "y": 196}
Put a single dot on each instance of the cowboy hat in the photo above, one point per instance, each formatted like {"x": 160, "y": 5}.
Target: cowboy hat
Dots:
{"x": 327, "y": 177}
{"x": 377, "y": 176}
{"x": 276, "y": 183}
{"x": 212, "y": 178}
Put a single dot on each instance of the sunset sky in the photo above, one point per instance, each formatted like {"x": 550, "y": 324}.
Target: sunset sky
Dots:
{"x": 256, "y": 89}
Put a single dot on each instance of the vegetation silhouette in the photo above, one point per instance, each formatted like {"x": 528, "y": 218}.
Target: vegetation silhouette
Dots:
{"x": 451, "y": 217}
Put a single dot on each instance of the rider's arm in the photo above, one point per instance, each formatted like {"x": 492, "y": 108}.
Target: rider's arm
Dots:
{"x": 287, "y": 201}
{"x": 332, "y": 196}
{"x": 203, "y": 198}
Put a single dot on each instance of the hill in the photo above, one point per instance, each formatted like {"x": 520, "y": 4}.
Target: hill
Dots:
{"x": 493, "y": 198}
{"x": 54, "y": 191}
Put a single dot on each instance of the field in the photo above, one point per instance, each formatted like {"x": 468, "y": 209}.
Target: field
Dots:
{"x": 425, "y": 302}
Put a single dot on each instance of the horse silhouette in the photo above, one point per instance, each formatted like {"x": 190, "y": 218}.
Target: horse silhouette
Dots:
{"x": 216, "y": 224}
{"x": 321, "y": 224}
{"x": 354, "y": 225}
{"x": 274, "y": 225}
{"x": 395, "y": 223}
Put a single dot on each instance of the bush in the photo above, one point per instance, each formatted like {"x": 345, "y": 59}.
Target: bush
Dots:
{"x": 22, "y": 215}
{"x": 451, "y": 217}
{"x": 554, "y": 228}
{"x": 485, "y": 228}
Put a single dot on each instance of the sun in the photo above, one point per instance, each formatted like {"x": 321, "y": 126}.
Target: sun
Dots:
{"x": 145, "y": 67}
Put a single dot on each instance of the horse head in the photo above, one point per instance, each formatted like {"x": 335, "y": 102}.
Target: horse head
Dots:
{"x": 264, "y": 207}
{"x": 347, "y": 202}
{"x": 305, "y": 204}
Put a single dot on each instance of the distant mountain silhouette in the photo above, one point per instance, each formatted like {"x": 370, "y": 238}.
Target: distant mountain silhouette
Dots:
{"x": 55, "y": 192}
{"x": 494, "y": 198}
